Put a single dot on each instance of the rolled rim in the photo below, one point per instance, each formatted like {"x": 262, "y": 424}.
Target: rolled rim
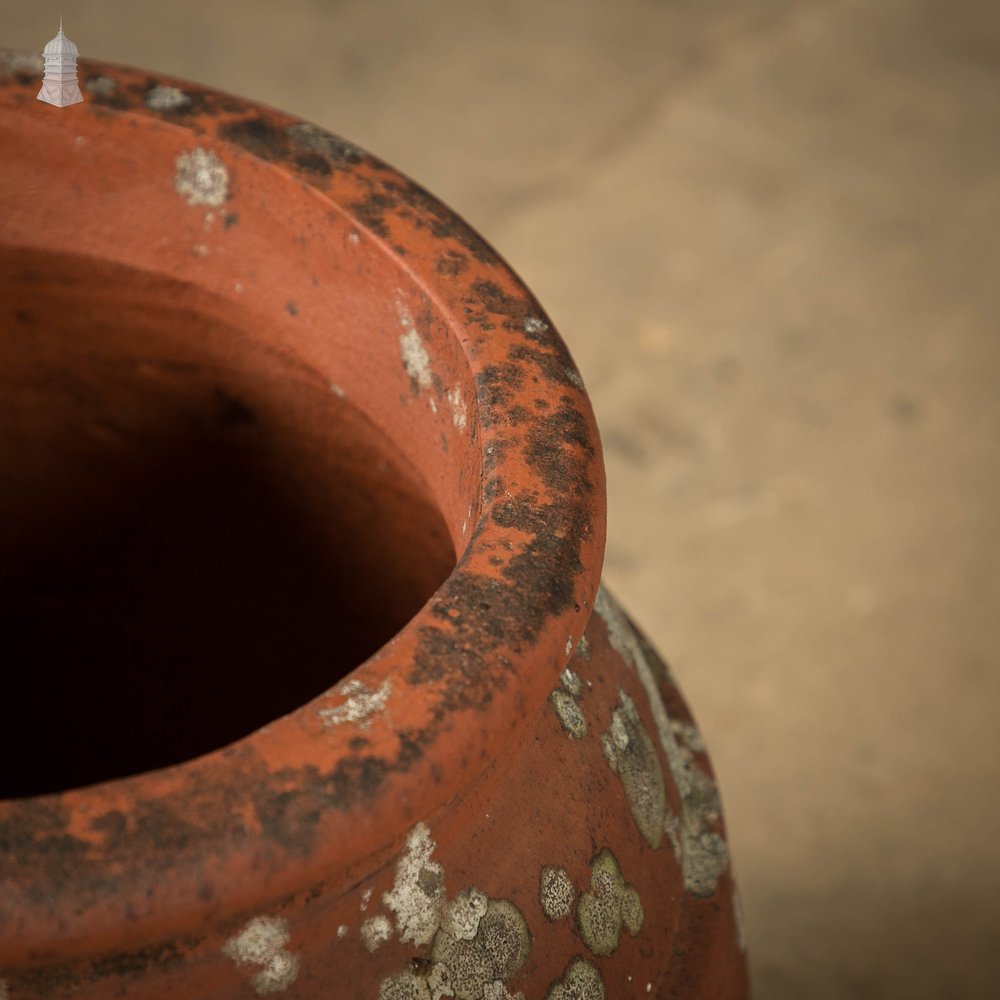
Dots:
{"x": 299, "y": 801}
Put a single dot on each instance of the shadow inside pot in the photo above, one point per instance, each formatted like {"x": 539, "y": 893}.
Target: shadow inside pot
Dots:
{"x": 192, "y": 544}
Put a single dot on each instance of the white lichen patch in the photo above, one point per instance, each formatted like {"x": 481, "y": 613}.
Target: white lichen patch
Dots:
{"x": 102, "y": 86}
{"x": 704, "y": 853}
{"x": 571, "y": 682}
{"x": 630, "y": 753}
{"x": 320, "y": 141}
{"x": 575, "y": 377}
{"x": 162, "y": 98}
{"x": 342, "y": 931}
{"x": 201, "y": 177}
{"x": 556, "y": 893}
{"x": 565, "y": 702}
{"x": 533, "y": 325}
{"x": 583, "y": 648}
{"x": 360, "y": 705}
{"x": 688, "y": 735}
{"x": 21, "y": 62}
{"x": 580, "y": 981}
{"x": 609, "y": 905}
{"x": 416, "y": 360}
{"x": 262, "y": 943}
{"x": 672, "y": 828}
{"x": 462, "y": 916}
{"x": 418, "y": 894}
{"x": 459, "y": 413}
{"x": 366, "y": 898}
{"x": 376, "y": 931}
{"x": 568, "y": 712}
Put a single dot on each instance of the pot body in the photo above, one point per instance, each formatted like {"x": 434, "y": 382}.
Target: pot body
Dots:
{"x": 508, "y": 797}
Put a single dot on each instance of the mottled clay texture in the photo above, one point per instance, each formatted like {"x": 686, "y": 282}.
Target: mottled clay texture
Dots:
{"x": 306, "y": 520}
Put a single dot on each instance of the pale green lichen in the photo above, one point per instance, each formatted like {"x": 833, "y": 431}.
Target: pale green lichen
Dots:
{"x": 630, "y": 753}
{"x": 499, "y": 948}
{"x": 610, "y": 904}
{"x": 556, "y": 892}
{"x": 463, "y": 914}
{"x": 568, "y": 713}
{"x": 580, "y": 981}
{"x": 479, "y": 945}
{"x": 406, "y": 986}
{"x": 703, "y": 852}
{"x": 565, "y": 702}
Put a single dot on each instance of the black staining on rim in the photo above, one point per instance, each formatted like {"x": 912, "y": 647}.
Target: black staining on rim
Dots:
{"x": 477, "y": 621}
{"x": 495, "y": 385}
{"x": 258, "y": 136}
{"x": 166, "y": 831}
{"x": 133, "y": 95}
{"x": 551, "y": 440}
{"x": 514, "y": 309}
{"x": 451, "y": 264}
{"x": 317, "y": 140}
{"x": 554, "y": 362}
{"x": 481, "y": 615}
{"x": 313, "y": 163}
{"x": 475, "y": 314}
{"x": 104, "y": 97}
{"x": 50, "y": 980}
{"x": 371, "y": 212}
{"x": 426, "y": 212}
{"x": 46, "y": 835}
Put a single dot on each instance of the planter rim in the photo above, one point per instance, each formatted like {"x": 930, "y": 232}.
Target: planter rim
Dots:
{"x": 278, "y": 811}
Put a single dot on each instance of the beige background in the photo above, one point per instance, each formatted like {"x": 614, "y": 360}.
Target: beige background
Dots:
{"x": 768, "y": 232}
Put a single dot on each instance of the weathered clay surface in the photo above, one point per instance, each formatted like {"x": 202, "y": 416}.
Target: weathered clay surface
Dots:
{"x": 507, "y": 796}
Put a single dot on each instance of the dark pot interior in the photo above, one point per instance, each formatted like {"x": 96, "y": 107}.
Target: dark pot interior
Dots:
{"x": 195, "y": 537}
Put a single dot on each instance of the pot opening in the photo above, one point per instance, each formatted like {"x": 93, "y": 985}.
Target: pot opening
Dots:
{"x": 197, "y": 535}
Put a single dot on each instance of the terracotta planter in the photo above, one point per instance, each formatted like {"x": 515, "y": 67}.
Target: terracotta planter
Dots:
{"x": 303, "y": 520}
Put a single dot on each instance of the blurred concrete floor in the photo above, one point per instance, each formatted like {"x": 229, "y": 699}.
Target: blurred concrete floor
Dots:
{"x": 768, "y": 232}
